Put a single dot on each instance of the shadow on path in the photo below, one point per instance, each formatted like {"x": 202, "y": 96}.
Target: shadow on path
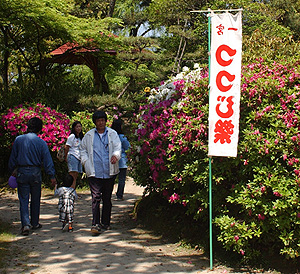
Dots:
{"x": 124, "y": 249}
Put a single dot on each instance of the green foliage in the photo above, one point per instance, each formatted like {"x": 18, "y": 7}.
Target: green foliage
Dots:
{"x": 289, "y": 15}
{"x": 156, "y": 213}
{"x": 29, "y": 31}
{"x": 137, "y": 58}
{"x": 133, "y": 13}
{"x": 85, "y": 118}
{"x": 258, "y": 45}
{"x": 108, "y": 103}
{"x": 236, "y": 236}
{"x": 90, "y": 9}
{"x": 61, "y": 87}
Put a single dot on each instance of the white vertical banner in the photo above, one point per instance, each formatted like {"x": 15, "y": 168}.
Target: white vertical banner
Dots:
{"x": 225, "y": 82}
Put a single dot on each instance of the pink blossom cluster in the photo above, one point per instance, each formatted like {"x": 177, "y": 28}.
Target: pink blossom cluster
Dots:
{"x": 263, "y": 82}
{"x": 164, "y": 131}
{"x": 171, "y": 128}
{"x": 174, "y": 197}
{"x": 278, "y": 74}
{"x": 55, "y": 130}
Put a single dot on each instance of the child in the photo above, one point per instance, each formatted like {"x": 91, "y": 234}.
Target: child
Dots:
{"x": 67, "y": 196}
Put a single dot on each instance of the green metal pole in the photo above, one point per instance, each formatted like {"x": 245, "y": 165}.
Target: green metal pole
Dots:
{"x": 210, "y": 217}
{"x": 210, "y": 172}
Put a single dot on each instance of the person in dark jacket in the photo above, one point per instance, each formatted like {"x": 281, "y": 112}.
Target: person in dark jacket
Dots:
{"x": 29, "y": 154}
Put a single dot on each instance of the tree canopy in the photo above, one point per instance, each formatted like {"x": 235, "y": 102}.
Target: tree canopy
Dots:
{"x": 153, "y": 39}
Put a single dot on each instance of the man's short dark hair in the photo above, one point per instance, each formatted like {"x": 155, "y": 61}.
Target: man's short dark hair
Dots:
{"x": 99, "y": 114}
{"x": 34, "y": 125}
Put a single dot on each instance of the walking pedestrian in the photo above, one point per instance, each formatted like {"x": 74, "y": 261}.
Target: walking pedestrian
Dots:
{"x": 117, "y": 126}
{"x": 72, "y": 153}
{"x": 29, "y": 154}
{"x": 100, "y": 152}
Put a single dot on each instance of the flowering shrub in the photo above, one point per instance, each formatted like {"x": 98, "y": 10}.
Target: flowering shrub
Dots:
{"x": 256, "y": 195}
{"x": 266, "y": 195}
{"x": 55, "y": 125}
{"x": 168, "y": 133}
{"x": 55, "y": 131}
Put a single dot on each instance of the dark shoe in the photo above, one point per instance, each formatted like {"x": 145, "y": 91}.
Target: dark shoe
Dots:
{"x": 105, "y": 227}
{"x": 37, "y": 227}
{"x": 65, "y": 227}
{"x": 96, "y": 229}
{"x": 25, "y": 230}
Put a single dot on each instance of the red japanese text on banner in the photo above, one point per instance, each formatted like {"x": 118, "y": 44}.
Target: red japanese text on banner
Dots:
{"x": 225, "y": 79}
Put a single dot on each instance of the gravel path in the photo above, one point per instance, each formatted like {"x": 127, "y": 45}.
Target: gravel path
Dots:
{"x": 127, "y": 248}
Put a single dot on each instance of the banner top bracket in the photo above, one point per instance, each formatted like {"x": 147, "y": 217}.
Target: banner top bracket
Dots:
{"x": 211, "y": 11}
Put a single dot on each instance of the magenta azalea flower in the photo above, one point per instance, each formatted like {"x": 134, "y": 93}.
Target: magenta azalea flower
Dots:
{"x": 56, "y": 126}
{"x": 174, "y": 198}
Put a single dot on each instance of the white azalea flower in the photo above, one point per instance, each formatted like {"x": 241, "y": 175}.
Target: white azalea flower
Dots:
{"x": 165, "y": 91}
{"x": 196, "y": 66}
{"x": 185, "y": 69}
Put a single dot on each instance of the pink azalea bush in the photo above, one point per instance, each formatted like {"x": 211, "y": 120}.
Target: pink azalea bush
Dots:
{"x": 55, "y": 130}
{"x": 256, "y": 195}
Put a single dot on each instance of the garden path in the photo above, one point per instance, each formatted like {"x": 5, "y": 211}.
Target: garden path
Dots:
{"x": 127, "y": 248}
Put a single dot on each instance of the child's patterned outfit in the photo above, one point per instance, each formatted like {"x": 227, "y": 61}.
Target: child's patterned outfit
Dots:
{"x": 67, "y": 196}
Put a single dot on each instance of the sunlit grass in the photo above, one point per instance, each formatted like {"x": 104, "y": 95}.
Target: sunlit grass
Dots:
{"x": 6, "y": 238}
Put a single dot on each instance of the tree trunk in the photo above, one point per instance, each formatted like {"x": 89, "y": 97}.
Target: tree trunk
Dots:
{"x": 181, "y": 56}
{"x": 111, "y": 8}
{"x": 180, "y": 51}
{"x": 100, "y": 82}
{"x": 104, "y": 84}
{"x": 20, "y": 77}
{"x": 125, "y": 88}
{"x": 4, "y": 70}
{"x": 96, "y": 79}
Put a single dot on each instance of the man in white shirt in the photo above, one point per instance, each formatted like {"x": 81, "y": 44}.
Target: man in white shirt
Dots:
{"x": 100, "y": 152}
